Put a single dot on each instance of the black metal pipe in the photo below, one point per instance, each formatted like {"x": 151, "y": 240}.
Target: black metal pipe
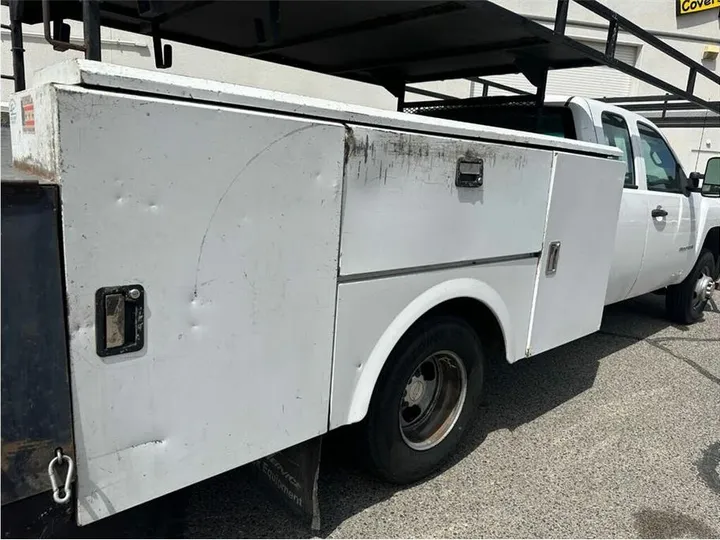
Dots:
{"x": 428, "y": 93}
{"x": 561, "y": 16}
{"x": 628, "y": 26}
{"x": 664, "y": 106}
{"x": 57, "y": 44}
{"x": 91, "y": 29}
{"x": 540, "y": 93}
{"x": 677, "y": 122}
{"x": 691, "y": 80}
{"x": 612, "y": 35}
{"x": 640, "y": 99}
{"x": 639, "y": 74}
{"x": 499, "y": 86}
{"x": 16, "y": 45}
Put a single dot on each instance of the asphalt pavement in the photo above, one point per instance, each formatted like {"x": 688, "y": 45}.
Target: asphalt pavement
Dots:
{"x": 614, "y": 435}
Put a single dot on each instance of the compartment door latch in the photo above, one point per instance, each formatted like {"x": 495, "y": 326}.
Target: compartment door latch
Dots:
{"x": 119, "y": 319}
{"x": 469, "y": 173}
{"x": 552, "y": 259}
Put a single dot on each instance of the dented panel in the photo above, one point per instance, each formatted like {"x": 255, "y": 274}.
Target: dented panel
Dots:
{"x": 229, "y": 220}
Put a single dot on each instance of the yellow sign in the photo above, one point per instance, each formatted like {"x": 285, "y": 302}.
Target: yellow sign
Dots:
{"x": 684, "y": 7}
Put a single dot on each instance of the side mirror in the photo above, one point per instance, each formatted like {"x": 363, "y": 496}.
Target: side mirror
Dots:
{"x": 694, "y": 181}
{"x": 711, "y": 182}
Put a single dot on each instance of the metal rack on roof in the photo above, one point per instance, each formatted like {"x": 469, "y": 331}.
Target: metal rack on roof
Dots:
{"x": 391, "y": 43}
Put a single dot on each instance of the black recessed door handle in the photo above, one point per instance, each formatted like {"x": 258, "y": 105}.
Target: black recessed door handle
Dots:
{"x": 658, "y": 212}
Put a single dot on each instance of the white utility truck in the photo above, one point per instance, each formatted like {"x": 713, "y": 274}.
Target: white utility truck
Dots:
{"x": 200, "y": 275}
{"x": 245, "y": 270}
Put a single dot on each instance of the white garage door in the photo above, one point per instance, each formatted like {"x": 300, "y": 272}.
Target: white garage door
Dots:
{"x": 592, "y": 82}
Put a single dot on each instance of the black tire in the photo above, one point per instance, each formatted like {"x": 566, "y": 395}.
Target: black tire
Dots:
{"x": 681, "y": 301}
{"x": 388, "y": 453}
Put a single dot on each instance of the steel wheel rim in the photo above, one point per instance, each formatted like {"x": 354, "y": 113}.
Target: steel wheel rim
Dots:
{"x": 703, "y": 289}
{"x": 432, "y": 401}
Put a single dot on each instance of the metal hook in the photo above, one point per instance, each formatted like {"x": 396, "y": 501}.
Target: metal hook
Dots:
{"x": 67, "y": 489}
{"x": 163, "y": 54}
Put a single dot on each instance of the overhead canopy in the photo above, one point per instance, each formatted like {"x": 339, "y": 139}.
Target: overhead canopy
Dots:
{"x": 386, "y": 42}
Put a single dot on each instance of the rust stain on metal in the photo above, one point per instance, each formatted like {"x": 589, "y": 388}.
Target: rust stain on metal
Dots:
{"x": 408, "y": 145}
{"x": 349, "y": 145}
{"x": 34, "y": 169}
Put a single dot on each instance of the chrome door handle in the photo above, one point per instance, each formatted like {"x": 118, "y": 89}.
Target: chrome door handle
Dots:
{"x": 658, "y": 212}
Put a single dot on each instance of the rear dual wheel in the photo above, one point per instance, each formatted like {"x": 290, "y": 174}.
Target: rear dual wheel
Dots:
{"x": 424, "y": 399}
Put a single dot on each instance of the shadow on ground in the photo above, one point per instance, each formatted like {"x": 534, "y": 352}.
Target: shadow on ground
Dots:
{"x": 230, "y": 505}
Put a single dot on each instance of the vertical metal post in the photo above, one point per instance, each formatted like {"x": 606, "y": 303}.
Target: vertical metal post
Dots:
{"x": 540, "y": 97}
{"x": 561, "y": 16}
{"x": 612, "y": 35}
{"x": 541, "y": 85}
{"x": 691, "y": 80}
{"x": 485, "y": 90}
{"x": 401, "y": 99}
{"x": 91, "y": 29}
{"x": 16, "y": 44}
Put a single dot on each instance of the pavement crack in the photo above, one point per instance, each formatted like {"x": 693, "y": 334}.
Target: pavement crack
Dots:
{"x": 655, "y": 342}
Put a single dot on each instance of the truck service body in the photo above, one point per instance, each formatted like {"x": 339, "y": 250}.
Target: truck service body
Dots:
{"x": 200, "y": 275}
{"x": 283, "y": 249}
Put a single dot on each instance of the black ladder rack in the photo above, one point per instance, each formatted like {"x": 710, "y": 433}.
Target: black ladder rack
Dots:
{"x": 379, "y": 42}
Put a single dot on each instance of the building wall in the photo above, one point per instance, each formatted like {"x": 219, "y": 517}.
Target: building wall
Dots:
{"x": 687, "y": 33}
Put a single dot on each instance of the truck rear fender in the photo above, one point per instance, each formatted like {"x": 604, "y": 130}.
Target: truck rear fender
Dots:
{"x": 453, "y": 296}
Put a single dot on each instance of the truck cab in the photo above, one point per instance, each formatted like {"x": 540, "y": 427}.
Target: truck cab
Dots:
{"x": 667, "y": 223}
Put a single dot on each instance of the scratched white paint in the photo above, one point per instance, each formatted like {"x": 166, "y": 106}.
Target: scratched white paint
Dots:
{"x": 230, "y": 221}
{"x": 415, "y": 216}
{"x": 403, "y": 209}
{"x": 104, "y": 75}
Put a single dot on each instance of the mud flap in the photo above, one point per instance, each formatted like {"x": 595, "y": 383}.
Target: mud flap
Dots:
{"x": 291, "y": 478}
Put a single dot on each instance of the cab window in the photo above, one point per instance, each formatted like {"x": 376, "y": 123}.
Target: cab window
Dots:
{"x": 617, "y": 134}
{"x": 662, "y": 170}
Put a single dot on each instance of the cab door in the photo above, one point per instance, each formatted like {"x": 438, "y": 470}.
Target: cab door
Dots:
{"x": 671, "y": 216}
